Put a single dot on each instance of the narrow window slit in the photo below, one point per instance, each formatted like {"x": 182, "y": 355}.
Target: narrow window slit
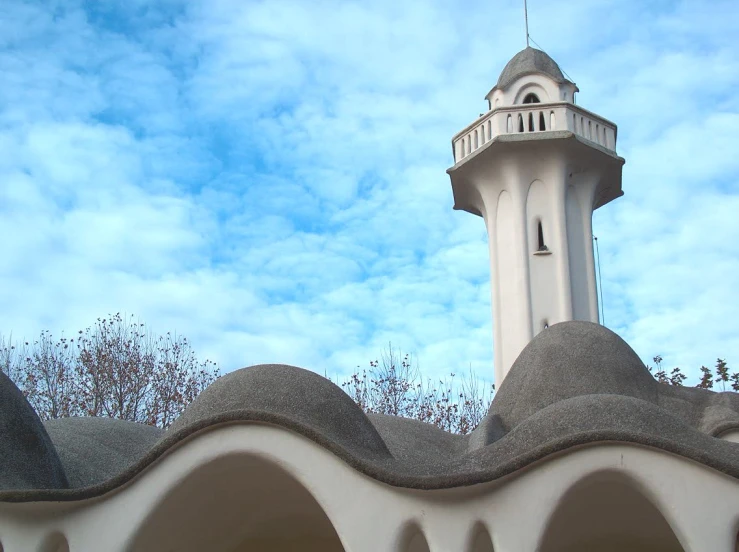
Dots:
{"x": 540, "y": 234}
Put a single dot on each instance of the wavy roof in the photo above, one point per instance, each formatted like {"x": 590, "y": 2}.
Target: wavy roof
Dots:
{"x": 576, "y": 383}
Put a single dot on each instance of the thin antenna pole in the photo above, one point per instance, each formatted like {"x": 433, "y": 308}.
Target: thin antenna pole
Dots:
{"x": 526, "y": 17}
{"x": 600, "y": 282}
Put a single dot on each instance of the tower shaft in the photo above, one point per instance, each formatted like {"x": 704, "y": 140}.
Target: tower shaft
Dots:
{"x": 535, "y": 171}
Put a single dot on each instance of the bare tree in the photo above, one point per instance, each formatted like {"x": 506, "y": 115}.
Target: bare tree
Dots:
{"x": 115, "y": 368}
{"x": 12, "y": 360}
{"x": 393, "y": 385}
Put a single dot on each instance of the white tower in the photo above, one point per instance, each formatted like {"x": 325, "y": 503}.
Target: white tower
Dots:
{"x": 535, "y": 167}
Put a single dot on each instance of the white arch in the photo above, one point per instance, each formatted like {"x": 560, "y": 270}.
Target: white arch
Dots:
{"x": 411, "y": 539}
{"x": 236, "y": 502}
{"x": 608, "y": 510}
{"x": 531, "y": 88}
{"x": 54, "y": 542}
{"x": 479, "y": 539}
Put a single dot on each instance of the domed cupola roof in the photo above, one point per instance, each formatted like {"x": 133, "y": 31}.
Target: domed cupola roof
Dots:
{"x": 527, "y": 62}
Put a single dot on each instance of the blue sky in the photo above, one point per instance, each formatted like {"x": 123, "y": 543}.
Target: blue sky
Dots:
{"x": 268, "y": 178}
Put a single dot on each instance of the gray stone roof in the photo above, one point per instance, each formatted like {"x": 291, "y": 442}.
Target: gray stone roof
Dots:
{"x": 27, "y": 456}
{"x": 575, "y": 384}
{"x": 527, "y": 62}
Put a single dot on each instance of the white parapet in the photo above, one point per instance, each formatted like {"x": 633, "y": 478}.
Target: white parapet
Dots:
{"x": 534, "y": 118}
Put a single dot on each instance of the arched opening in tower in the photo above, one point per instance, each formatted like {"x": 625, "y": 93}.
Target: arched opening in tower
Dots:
{"x": 531, "y": 98}
{"x": 607, "y": 512}
{"x": 238, "y": 503}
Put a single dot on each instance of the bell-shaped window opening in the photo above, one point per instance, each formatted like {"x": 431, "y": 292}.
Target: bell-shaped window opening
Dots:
{"x": 520, "y": 123}
{"x": 509, "y": 124}
{"x": 531, "y": 122}
{"x": 542, "y": 122}
{"x": 531, "y": 98}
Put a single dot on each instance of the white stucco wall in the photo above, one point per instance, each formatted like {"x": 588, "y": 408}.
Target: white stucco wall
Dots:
{"x": 237, "y": 486}
{"x": 542, "y": 266}
{"x": 511, "y": 276}
{"x": 514, "y": 186}
{"x": 579, "y": 209}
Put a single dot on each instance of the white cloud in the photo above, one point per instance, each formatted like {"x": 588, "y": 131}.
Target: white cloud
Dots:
{"x": 267, "y": 178}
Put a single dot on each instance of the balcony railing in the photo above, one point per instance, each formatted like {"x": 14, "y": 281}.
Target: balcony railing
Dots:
{"x": 532, "y": 118}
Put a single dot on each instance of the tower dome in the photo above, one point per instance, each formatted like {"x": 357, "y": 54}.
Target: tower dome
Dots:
{"x": 531, "y": 76}
{"x": 528, "y": 62}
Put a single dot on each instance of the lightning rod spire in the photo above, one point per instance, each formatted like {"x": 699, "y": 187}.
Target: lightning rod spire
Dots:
{"x": 526, "y": 18}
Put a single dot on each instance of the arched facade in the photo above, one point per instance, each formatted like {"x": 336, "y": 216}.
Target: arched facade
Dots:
{"x": 238, "y": 503}
{"x": 257, "y": 487}
{"x": 607, "y": 511}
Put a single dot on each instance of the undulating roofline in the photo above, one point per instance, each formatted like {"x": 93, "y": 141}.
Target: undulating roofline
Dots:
{"x": 576, "y": 383}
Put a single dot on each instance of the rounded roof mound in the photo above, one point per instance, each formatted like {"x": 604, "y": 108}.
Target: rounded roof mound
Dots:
{"x": 27, "y": 455}
{"x": 293, "y": 397}
{"x": 93, "y": 450}
{"x": 527, "y": 62}
{"x": 568, "y": 360}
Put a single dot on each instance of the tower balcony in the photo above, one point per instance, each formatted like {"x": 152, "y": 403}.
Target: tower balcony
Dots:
{"x": 531, "y": 119}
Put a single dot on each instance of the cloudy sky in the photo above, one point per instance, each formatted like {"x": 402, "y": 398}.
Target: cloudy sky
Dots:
{"x": 268, "y": 178}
